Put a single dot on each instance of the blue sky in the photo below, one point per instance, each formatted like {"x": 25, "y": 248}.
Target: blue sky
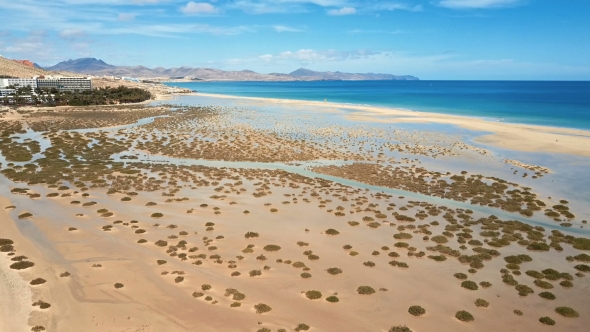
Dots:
{"x": 432, "y": 39}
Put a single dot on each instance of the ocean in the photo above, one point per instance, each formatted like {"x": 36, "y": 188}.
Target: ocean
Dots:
{"x": 547, "y": 103}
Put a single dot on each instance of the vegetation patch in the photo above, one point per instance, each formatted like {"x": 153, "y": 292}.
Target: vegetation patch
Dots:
{"x": 547, "y": 320}
{"x": 313, "y": 295}
{"x": 365, "y": 290}
{"x": 464, "y": 316}
{"x": 416, "y": 310}
{"x": 567, "y": 312}
{"x": 468, "y": 284}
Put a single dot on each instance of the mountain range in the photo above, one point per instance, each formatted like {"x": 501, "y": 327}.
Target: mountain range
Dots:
{"x": 92, "y": 66}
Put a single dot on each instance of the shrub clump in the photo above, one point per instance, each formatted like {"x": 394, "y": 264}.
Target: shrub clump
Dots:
{"x": 547, "y": 320}
{"x": 157, "y": 215}
{"x": 365, "y": 290}
{"x": 567, "y": 312}
{"x": 37, "y": 281}
{"x": 119, "y": 285}
{"x": 262, "y": 308}
{"x": 469, "y": 285}
{"x": 313, "y": 295}
{"x": 332, "y": 231}
{"x": 334, "y": 271}
{"x": 400, "y": 328}
{"x": 461, "y": 276}
{"x": 272, "y": 247}
{"x": 301, "y": 327}
{"x": 332, "y": 299}
{"x": 547, "y": 295}
{"x": 482, "y": 303}
{"x": 22, "y": 265}
{"x": 416, "y": 310}
{"x": 464, "y": 316}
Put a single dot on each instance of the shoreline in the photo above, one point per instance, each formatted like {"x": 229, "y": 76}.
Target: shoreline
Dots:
{"x": 513, "y": 136}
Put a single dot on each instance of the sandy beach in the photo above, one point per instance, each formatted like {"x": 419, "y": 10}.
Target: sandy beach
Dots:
{"x": 243, "y": 218}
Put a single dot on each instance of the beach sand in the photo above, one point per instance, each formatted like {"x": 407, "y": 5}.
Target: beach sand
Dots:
{"x": 147, "y": 242}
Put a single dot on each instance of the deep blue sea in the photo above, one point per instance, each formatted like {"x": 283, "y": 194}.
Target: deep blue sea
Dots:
{"x": 558, "y": 104}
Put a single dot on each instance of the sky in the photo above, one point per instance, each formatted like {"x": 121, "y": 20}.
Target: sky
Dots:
{"x": 430, "y": 39}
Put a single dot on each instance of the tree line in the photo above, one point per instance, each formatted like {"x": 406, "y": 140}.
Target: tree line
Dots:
{"x": 100, "y": 96}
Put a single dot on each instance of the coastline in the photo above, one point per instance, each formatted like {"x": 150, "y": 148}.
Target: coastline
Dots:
{"x": 514, "y": 136}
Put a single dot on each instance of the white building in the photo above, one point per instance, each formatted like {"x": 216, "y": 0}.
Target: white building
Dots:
{"x": 18, "y": 82}
{"x": 6, "y": 92}
{"x": 66, "y": 83}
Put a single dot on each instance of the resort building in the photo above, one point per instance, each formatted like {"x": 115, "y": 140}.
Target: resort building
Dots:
{"x": 18, "y": 82}
{"x": 65, "y": 83}
{"x": 60, "y": 83}
{"x": 7, "y": 92}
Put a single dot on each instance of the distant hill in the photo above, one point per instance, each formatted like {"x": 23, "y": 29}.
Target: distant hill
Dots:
{"x": 82, "y": 65}
{"x": 303, "y": 73}
{"x": 12, "y": 68}
{"x": 100, "y": 68}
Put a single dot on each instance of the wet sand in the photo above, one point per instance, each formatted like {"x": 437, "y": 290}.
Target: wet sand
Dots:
{"x": 187, "y": 223}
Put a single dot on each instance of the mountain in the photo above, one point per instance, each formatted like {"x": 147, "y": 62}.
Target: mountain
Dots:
{"x": 83, "y": 65}
{"x": 303, "y": 73}
{"x": 96, "y": 67}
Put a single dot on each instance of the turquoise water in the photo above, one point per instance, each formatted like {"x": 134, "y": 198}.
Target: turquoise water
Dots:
{"x": 558, "y": 104}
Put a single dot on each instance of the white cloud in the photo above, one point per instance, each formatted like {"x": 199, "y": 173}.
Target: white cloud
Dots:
{"x": 72, "y": 33}
{"x": 126, "y": 17}
{"x": 342, "y": 11}
{"x": 466, "y": 4}
{"x": 193, "y": 8}
{"x": 283, "y": 28}
{"x": 312, "y": 56}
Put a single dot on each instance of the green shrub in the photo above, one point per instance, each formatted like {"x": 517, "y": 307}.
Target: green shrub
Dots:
{"x": 255, "y": 273}
{"x": 250, "y": 235}
{"x": 582, "y": 267}
{"x": 567, "y": 312}
{"x": 332, "y": 231}
{"x": 305, "y": 275}
{"x": 582, "y": 244}
{"x": 485, "y": 284}
{"x": 524, "y": 290}
{"x": 332, "y": 299}
{"x": 157, "y": 215}
{"x": 518, "y": 312}
{"x": 25, "y": 215}
{"x": 161, "y": 243}
{"x": 334, "y": 271}
{"x": 538, "y": 246}
{"x": 482, "y": 303}
{"x": 416, "y": 310}
{"x": 566, "y": 284}
{"x": 365, "y": 290}
{"x": 402, "y": 236}
{"x": 582, "y": 257}
{"x": 440, "y": 239}
{"x": 37, "y": 281}
{"x": 235, "y": 305}
{"x": 535, "y": 274}
{"x": 547, "y": 321}
{"x": 464, "y": 316}
{"x": 272, "y": 247}
{"x": 461, "y": 276}
{"x": 262, "y": 308}
{"x": 469, "y": 285}
{"x": 369, "y": 264}
{"x": 313, "y": 295}
{"x": 206, "y": 287}
{"x": 512, "y": 259}
{"x": 22, "y": 265}
{"x": 543, "y": 284}
{"x": 547, "y": 295}
{"x": 400, "y": 328}
{"x": 119, "y": 285}
{"x": 301, "y": 327}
